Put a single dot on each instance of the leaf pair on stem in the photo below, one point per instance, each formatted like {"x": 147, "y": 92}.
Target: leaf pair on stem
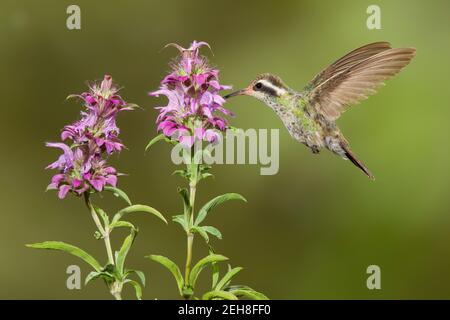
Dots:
{"x": 191, "y": 222}
{"x": 113, "y": 273}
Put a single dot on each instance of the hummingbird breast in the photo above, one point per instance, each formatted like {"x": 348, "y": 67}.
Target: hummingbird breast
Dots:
{"x": 299, "y": 121}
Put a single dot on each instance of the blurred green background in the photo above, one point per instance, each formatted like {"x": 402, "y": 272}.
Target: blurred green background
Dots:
{"x": 308, "y": 232}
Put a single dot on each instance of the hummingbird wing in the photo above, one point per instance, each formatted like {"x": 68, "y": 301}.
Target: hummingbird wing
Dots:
{"x": 354, "y": 77}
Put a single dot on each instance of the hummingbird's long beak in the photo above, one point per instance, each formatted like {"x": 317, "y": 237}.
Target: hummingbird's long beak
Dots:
{"x": 241, "y": 92}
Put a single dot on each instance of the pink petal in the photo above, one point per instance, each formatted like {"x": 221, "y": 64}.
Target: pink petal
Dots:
{"x": 110, "y": 170}
{"x": 63, "y": 191}
{"x": 97, "y": 184}
{"x": 111, "y": 180}
{"x": 211, "y": 136}
{"x": 186, "y": 141}
{"x": 76, "y": 183}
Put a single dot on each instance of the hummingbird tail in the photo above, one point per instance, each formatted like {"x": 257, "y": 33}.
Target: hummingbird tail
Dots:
{"x": 351, "y": 156}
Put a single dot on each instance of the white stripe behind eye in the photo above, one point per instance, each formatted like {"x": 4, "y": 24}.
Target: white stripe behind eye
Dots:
{"x": 278, "y": 90}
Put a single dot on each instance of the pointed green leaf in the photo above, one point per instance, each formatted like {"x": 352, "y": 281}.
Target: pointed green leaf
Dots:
{"x": 215, "y": 294}
{"x": 61, "y": 246}
{"x": 246, "y": 292}
{"x": 184, "y": 194}
{"x": 201, "y": 232}
{"x": 121, "y": 224}
{"x": 139, "y": 273}
{"x": 102, "y": 214}
{"x": 249, "y": 294}
{"x": 137, "y": 288}
{"x": 214, "y": 202}
{"x": 173, "y": 268}
{"x": 180, "y": 219}
{"x": 138, "y": 208}
{"x": 91, "y": 276}
{"x": 199, "y": 266}
{"x": 227, "y": 278}
{"x": 206, "y": 175}
{"x": 110, "y": 269}
{"x": 215, "y": 274}
{"x": 118, "y": 193}
{"x": 181, "y": 173}
{"x": 122, "y": 254}
{"x": 159, "y": 137}
{"x": 95, "y": 275}
{"x": 214, "y": 231}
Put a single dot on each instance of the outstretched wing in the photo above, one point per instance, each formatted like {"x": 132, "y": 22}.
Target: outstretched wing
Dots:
{"x": 354, "y": 77}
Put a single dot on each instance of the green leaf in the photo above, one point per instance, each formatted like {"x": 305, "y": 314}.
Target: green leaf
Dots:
{"x": 184, "y": 194}
{"x": 102, "y": 214}
{"x": 61, "y": 246}
{"x": 139, "y": 273}
{"x": 95, "y": 275}
{"x": 118, "y": 193}
{"x": 201, "y": 232}
{"x": 122, "y": 254}
{"x": 109, "y": 268}
{"x": 159, "y": 137}
{"x": 137, "y": 288}
{"x": 202, "y": 264}
{"x": 173, "y": 268}
{"x": 227, "y": 278}
{"x": 215, "y": 274}
{"x": 180, "y": 219}
{"x": 137, "y": 208}
{"x": 98, "y": 235}
{"x": 248, "y": 294}
{"x": 215, "y": 294}
{"x": 214, "y": 231}
{"x": 214, "y": 202}
{"x": 204, "y": 167}
{"x": 181, "y": 173}
{"x": 206, "y": 175}
{"x": 91, "y": 276}
{"x": 120, "y": 223}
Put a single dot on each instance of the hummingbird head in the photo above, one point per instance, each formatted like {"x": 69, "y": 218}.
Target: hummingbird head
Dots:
{"x": 266, "y": 87}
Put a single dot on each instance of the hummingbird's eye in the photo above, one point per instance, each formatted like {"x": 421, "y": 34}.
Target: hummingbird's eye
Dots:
{"x": 258, "y": 85}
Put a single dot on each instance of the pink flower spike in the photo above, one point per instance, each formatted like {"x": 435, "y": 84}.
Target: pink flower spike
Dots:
{"x": 82, "y": 166}
{"x": 193, "y": 92}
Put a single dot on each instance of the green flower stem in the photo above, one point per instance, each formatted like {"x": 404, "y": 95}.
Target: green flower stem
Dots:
{"x": 116, "y": 287}
{"x": 108, "y": 246}
{"x": 116, "y": 290}
{"x": 193, "y": 170}
{"x": 190, "y": 241}
{"x": 104, "y": 231}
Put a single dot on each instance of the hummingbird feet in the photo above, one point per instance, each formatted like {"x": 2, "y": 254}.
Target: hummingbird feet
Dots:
{"x": 315, "y": 149}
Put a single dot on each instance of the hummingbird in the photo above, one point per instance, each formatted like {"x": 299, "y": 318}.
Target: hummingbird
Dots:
{"x": 310, "y": 115}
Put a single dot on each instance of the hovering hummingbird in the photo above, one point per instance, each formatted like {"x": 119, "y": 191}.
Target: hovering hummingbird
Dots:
{"x": 310, "y": 116}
